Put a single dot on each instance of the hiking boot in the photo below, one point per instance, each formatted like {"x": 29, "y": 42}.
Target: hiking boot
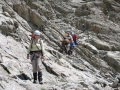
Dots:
{"x": 35, "y": 81}
{"x": 40, "y": 77}
{"x": 69, "y": 52}
{"x": 40, "y": 82}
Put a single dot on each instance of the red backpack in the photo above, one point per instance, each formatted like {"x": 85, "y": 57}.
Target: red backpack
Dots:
{"x": 74, "y": 36}
{"x": 32, "y": 35}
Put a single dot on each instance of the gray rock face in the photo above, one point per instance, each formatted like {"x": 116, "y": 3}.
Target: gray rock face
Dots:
{"x": 95, "y": 60}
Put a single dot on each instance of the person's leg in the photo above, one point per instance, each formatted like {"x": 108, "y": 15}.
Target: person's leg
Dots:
{"x": 69, "y": 51}
{"x": 39, "y": 69}
{"x": 66, "y": 49}
{"x": 35, "y": 77}
{"x": 75, "y": 41}
{"x": 33, "y": 62}
{"x": 40, "y": 77}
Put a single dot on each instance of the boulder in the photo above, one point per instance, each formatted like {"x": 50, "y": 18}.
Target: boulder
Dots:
{"x": 36, "y": 19}
{"x": 113, "y": 59}
{"x": 23, "y": 11}
{"x": 100, "y": 45}
{"x": 90, "y": 47}
{"x": 84, "y": 10}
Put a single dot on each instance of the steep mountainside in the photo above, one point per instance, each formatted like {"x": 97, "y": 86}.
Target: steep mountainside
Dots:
{"x": 95, "y": 60}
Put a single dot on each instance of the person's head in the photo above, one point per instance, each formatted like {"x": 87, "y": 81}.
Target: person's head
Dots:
{"x": 67, "y": 34}
{"x": 37, "y": 34}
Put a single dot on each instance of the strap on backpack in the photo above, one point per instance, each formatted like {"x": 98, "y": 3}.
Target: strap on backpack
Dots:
{"x": 37, "y": 46}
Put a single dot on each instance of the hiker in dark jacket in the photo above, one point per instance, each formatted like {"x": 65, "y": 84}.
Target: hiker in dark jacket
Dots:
{"x": 36, "y": 51}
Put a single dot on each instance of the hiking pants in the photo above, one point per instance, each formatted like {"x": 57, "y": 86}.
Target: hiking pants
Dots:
{"x": 75, "y": 41}
{"x": 65, "y": 48}
{"x": 36, "y": 62}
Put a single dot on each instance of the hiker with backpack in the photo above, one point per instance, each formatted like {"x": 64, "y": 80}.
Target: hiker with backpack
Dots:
{"x": 64, "y": 45}
{"x": 71, "y": 45}
{"x": 116, "y": 82}
{"x": 36, "y": 52}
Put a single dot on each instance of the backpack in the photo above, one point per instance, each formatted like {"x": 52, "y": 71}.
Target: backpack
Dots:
{"x": 74, "y": 36}
{"x": 32, "y": 35}
{"x": 65, "y": 42}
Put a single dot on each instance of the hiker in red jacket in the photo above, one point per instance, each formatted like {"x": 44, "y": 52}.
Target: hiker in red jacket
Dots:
{"x": 75, "y": 38}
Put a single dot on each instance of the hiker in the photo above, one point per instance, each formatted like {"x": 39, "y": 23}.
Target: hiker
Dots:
{"x": 65, "y": 46}
{"x": 75, "y": 38}
{"x": 84, "y": 27}
{"x": 71, "y": 45}
{"x": 116, "y": 82}
{"x": 36, "y": 51}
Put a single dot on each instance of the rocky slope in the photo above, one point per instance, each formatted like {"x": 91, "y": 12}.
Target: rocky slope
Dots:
{"x": 95, "y": 61}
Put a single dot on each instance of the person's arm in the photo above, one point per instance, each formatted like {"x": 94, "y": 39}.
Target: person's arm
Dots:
{"x": 29, "y": 48}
